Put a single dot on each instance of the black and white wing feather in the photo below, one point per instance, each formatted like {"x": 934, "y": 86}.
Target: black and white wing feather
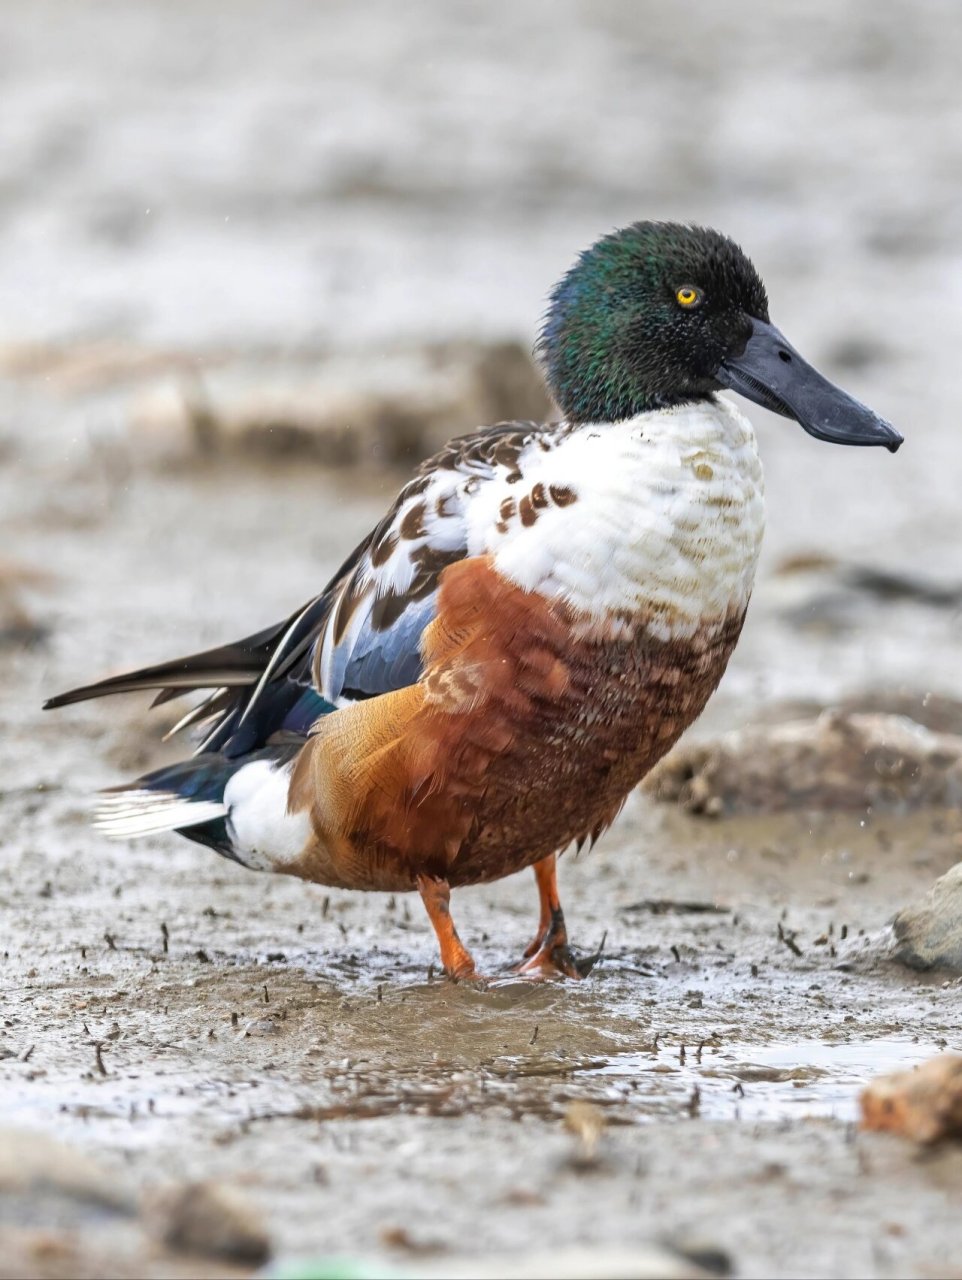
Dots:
{"x": 362, "y": 635}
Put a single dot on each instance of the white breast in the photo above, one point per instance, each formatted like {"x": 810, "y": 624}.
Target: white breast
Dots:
{"x": 664, "y": 530}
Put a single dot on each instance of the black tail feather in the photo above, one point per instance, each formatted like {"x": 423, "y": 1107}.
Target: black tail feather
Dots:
{"x": 229, "y": 666}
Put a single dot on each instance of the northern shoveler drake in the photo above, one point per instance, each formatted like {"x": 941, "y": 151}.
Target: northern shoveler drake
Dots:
{"x": 534, "y": 623}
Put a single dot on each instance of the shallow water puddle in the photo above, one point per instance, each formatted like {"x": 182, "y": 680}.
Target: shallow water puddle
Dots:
{"x": 739, "y": 1081}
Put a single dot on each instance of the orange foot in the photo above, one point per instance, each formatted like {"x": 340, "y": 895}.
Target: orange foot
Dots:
{"x": 554, "y": 958}
{"x": 436, "y": 895}
{"x": 549, "y": 954}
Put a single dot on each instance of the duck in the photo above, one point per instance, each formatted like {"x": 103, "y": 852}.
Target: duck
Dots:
{"x": 542, "y": 612}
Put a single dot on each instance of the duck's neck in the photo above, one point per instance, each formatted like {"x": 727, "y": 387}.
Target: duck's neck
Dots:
{"x": 584, "y": 399}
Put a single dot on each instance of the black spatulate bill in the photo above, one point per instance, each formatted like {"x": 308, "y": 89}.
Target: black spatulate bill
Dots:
{"x": 772, "y": 373}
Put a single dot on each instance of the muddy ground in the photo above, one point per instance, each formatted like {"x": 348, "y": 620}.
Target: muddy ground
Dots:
{"x": 176, "y": 1018}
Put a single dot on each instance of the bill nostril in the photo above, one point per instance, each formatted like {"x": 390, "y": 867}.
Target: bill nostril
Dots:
{"x": 785, "y": 357}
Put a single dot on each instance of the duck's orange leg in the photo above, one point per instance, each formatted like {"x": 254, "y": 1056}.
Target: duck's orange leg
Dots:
{"x": 549, "y": 952}
{"x": 545, "y": 872}
{"x": 436, "y": 895}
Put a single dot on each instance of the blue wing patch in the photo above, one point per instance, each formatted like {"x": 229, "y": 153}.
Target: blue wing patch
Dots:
{"x": 382, "y": 661}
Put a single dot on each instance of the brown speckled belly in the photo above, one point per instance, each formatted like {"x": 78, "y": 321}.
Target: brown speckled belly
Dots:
{"x": 521, "y": 737}
{"x": 626, "y": 706}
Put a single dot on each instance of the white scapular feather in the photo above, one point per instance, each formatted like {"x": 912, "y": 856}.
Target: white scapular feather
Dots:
{"x": 666, "y": 526}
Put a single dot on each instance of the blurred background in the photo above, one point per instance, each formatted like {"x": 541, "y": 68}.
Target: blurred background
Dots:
{"x": 255, "y": 262}
{"x": 325, "y": 232}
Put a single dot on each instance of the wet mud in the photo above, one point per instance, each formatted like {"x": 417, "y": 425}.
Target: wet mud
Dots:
{"x": 182, "y": 1019}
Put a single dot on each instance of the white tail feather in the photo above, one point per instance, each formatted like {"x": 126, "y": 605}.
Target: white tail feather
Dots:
{"x": 122, "y": 814}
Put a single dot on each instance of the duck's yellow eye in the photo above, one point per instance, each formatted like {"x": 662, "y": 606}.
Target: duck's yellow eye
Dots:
{"x": 688, "y": 296}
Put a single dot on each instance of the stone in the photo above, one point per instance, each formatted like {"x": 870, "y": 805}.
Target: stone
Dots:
{"x": 924, "y": 1105}
{"x": 836, "y": 761}
{"x": 928, "y": 933}
{"x": 212, "y": 1219}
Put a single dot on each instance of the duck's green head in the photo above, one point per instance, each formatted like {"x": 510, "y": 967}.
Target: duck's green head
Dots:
{"x": 661, "y": 314}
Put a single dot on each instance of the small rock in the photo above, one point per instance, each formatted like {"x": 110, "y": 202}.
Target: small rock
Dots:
{"x": 40, "y": 1168}
{"x": 400, "y": 1238}
{"x": 587, "y": 1123}
{"x": 928, "y": 933}
{"x": 212, "y": 1219}
{"x": 262, "y": 1027}
{"x": 837, "y": 761}
{"x": 923, "y": 1105}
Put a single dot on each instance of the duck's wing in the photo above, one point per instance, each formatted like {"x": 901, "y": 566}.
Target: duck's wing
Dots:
{"x": 362, "y": 635}
{"x": 370, "y": 640}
